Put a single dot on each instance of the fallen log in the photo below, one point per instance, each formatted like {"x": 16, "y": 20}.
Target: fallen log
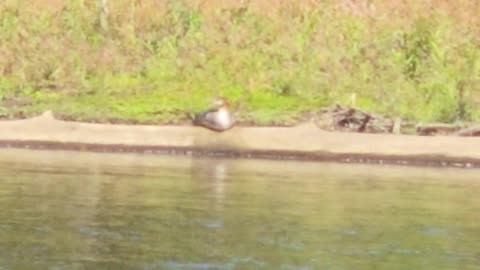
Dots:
{"x": 466, "y": 132}
{"x": 338, "y": 118}
{"x": 432, "y": 129}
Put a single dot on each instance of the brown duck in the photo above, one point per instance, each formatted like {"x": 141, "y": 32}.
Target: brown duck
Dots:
{"x": 219, "y": 118}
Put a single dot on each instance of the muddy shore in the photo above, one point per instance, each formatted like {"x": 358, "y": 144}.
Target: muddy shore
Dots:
{"x": 304, "y": 142}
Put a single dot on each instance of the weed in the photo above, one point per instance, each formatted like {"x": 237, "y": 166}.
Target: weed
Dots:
{"x": 161, "y": 61}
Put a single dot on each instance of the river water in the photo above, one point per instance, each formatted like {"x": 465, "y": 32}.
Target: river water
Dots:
{"x": 66, "y": 210}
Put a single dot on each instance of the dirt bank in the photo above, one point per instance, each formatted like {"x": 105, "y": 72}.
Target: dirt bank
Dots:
{"x": 304, "y": 142}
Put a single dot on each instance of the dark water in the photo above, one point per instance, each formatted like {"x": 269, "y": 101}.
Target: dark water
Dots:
{"x": 67, "y": 210}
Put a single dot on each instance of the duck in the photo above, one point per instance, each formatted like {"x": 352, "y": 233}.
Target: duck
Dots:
{"x": 219, "y": 118}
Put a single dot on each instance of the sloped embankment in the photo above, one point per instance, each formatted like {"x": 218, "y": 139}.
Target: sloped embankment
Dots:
{"x": 303, "y": 142}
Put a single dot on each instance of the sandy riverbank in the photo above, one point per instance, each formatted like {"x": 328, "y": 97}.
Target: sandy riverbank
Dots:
{"x": 304, "y": 142}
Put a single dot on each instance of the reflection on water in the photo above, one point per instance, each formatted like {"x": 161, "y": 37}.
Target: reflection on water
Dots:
{"x": 66, "y": 210}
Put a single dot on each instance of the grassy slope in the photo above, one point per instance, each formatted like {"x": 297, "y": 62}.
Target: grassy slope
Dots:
{"x": 159, "y": 61}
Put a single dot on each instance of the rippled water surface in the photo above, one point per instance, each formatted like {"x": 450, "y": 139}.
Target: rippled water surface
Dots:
{"x": 64, "y": 210}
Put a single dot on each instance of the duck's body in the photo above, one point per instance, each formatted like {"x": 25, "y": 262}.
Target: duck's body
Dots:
{"x": 218, "y": 119}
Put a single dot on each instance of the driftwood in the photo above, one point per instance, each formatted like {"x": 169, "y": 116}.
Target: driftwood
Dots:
{"x": 472, "y": 131}
{"x": 339, "y": 118}
{"x": 447, "y": 129}
{"x": 397, "y": 126}
{"x": 437, "y": 129}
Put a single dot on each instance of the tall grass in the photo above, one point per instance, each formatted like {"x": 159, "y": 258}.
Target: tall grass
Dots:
{"x": 158, "y": 61}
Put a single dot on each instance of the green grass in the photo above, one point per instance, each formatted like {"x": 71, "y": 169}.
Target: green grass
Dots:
{"x": 159, "y": 63}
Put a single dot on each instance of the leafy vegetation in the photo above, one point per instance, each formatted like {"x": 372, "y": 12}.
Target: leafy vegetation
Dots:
{"x": 276, "y": 61}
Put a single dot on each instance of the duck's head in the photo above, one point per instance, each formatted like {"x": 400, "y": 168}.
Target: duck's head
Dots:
{"x": 220, "y": 102}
